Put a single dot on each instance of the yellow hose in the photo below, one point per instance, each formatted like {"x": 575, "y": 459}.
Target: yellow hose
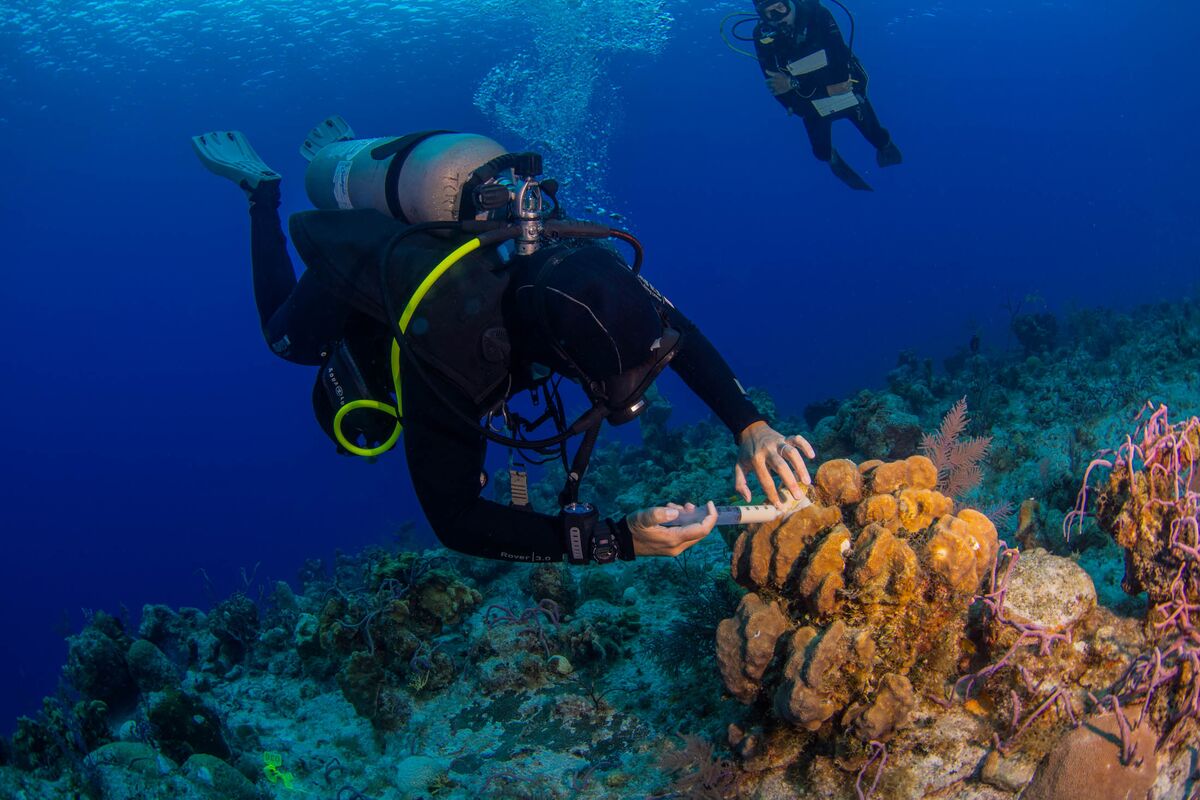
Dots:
{"x": 397, "y": 411}
{"x": 725, "y": 38}
{"x": 366, "y": 452}
{"x": 419, "y": 295}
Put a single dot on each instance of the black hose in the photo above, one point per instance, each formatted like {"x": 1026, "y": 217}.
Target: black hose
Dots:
{"x": 734, "y": 28}
{"x": 578, "y": 229}
{"x": 850, "y": 42}
{"x": 631, "y": 240}
{"x": 570, "y": 491}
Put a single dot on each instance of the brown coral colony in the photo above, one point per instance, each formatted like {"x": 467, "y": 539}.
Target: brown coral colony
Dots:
{"x": 849, "y": 594}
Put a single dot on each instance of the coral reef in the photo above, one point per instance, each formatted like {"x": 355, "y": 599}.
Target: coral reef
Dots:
{"x": 1037, "y": 333}
{"x": 861, "y": 596}
{"x": 876, "y": 611}
{"x": 882, "y": 642}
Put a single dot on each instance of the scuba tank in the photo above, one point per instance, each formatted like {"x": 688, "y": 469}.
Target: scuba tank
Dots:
{"x": 414, "y": 178}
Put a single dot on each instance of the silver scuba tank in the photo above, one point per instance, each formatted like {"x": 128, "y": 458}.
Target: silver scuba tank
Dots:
{"x": 414, "y": 178}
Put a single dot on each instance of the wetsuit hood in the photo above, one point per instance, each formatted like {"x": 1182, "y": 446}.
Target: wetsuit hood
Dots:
{"x": 588, "y": 316}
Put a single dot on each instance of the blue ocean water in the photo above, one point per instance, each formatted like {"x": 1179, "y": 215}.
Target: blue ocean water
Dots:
{"x": 1049, "y": 154}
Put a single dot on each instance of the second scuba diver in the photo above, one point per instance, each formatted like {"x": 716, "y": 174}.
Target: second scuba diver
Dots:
{"x": 433, "y": 256}
{"x": 813, "y": 74}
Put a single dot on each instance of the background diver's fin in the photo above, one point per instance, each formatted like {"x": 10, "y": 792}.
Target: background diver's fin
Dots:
{"x": 334, "y": 129}
{"x": 847, "y": 175}
{"x": 229, "y": 154}
{"x": 889, "y": 155}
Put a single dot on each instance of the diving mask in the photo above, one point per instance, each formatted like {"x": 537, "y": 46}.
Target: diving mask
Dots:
{"x": 776, "y": 12}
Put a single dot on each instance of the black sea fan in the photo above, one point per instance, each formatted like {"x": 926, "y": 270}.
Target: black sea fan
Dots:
{"x": 707, "y": 601}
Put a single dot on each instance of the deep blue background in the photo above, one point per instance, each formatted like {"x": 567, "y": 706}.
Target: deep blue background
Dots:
{"x": 1049, "y": 150}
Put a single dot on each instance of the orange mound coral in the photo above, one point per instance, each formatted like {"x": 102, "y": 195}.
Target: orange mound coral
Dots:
{"x": 866, "y": 592}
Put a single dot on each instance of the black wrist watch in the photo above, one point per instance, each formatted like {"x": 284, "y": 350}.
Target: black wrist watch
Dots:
{"x": 604, "y": 543}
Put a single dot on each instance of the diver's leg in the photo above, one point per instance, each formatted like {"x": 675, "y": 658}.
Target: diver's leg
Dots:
{"x": 299, "y": 318}
{"x": 867, "y": 122}
{"x": 308, "y": 323}
{"x": 820, "y": 136}
{"x": 274, "y": 277}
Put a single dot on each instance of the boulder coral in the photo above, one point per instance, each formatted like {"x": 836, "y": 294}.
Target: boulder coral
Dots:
{"x": 746, "y": 645}
{"x": 859, "y": 600}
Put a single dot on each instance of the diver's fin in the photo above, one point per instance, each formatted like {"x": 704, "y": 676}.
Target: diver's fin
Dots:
{"x": 334, "y": 129}
{"x": 847, "y": 175}
{"x": 888, "y": 155}
{"x": 229, "y": 154}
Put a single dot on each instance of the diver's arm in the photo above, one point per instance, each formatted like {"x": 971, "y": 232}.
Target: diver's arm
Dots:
{"x": 762, "y": 451}
{"x": 779, "y": 83}
{"x": 446, "y": 462}
{"x": 835, "y": 46}
{"x": 707, "y": 374}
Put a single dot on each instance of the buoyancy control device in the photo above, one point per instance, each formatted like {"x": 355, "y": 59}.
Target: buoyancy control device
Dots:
{"x": 408, "y": 231}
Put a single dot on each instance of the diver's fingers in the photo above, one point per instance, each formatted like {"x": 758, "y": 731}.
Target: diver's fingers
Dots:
{"x": 739, "y": 483}
{"x": 705, "y": 526}
{"x": 690, "y": 534}
{"x": 653, "y": 517}
{"x": 768, "y": 483}
{"x": 802, "y": 443}
{"x": 792, "y": 454}
{"x": 780, "y": 466}
{"x": 664, "y": 514}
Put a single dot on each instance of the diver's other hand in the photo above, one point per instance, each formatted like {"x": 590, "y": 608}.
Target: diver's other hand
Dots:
{"x": 779, "y": 82}
{"x": 839, "y": 88}
{"x": 652, "y": 538}
{"x": 763, "y": 450}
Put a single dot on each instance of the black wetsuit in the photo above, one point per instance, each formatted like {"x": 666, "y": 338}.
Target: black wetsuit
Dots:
{"x": 445, "y": 456}
{"x": 816, "y": 30}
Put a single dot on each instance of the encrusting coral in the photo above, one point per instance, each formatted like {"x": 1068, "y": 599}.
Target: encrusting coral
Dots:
{"x": 862, "y": 596}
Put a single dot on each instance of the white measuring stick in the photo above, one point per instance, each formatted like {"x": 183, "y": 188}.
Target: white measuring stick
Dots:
{"x": 743, "y": 515}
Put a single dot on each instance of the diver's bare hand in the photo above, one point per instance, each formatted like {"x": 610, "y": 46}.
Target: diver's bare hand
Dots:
{"x": 764, "y": 450}
{"x": 839, "y": 88}
{"x": 779, "y": 82}
{"x": 652, "y": 538}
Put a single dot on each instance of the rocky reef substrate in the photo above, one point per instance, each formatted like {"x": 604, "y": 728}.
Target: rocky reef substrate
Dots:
{"x": 904, "y": 636}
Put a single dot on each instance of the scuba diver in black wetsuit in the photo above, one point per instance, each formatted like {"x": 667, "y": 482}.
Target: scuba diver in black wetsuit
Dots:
{"x": 441, "y": 258}
{"x": 813, "y": 74}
